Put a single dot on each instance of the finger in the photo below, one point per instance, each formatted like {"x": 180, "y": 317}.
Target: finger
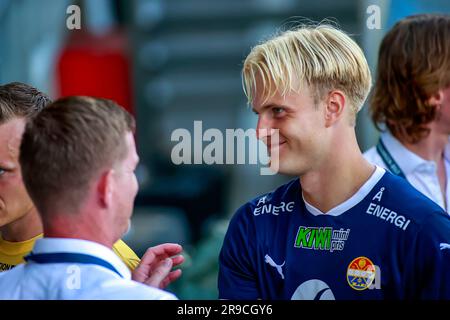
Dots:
{"x": 174, "y": 275}
{"x": 148, "y": 257}
{"x": 169, "y": 249}
{"x": 177, "y": 260}
{"x": 160, "y": 273}
{"x": 139, "y": 274}
{"x": 161, "y": 252}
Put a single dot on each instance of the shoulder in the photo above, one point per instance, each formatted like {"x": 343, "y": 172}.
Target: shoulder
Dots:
{"x": 263, "y": 213}
{"x": 13, "y": 273}
{"x": 138, "y": 291}
{"x": 437, "y": 226}
{"x": 399, "y": 195}
{"x": 107, "y": 287}
{"x": 275, "y": 203}
{"x": 10, "y": 281}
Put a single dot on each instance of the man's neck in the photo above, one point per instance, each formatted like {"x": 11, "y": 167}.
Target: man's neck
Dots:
{"x": 62, "y": 226}
{"x": 337, "y": 179}
{"x": 23, "y": 229}
{"x": 432, "y": 148}
{"x": 429, "y": 148}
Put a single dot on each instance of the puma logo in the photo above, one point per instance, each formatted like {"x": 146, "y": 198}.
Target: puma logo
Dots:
{"x": 272, "y": 263}
{"x": 444, "y": 246}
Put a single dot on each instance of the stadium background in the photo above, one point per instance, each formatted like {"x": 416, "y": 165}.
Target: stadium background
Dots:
{"x": 172, "y": 62}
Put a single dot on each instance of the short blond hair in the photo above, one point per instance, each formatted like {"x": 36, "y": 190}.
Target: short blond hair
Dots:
{"x": 321, "y": 56}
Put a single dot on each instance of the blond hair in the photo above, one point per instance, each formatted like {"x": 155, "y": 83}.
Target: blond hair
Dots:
{"x": 321, "y": 56}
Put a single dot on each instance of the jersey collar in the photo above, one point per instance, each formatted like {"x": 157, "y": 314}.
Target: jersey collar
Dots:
{"x": 17, "y": 248}
{"x": 353, "y": 200}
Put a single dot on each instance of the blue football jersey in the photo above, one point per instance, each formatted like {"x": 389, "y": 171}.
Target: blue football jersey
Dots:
{"x": 387, "y": 241}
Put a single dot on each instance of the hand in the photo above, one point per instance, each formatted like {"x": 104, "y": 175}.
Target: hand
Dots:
{"x": 156, "y": 265}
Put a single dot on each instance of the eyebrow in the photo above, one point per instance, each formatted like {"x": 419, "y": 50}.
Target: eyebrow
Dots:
{"x": 270, "y": 105}
{"x": 263, "y": 107}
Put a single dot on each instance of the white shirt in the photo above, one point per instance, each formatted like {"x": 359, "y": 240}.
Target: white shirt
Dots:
{"x": 60, "y": 281}
{"x": 421, "y": 173}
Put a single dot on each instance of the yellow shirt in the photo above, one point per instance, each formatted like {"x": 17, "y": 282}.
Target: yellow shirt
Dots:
{"x": 12, "y": 253}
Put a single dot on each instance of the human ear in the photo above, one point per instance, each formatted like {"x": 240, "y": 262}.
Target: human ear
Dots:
{"x": 334, "y": 109}
{"x": 105, "y": 188}
{"x": 436, "y": 99}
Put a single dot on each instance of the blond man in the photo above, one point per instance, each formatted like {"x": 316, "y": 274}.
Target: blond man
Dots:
{"x": 343, "y": 228}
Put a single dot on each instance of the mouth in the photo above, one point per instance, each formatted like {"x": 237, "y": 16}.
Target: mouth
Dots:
{"x": 272, "y": 147}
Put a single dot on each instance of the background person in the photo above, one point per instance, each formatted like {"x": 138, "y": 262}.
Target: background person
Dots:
{"x": 78, "y": 159}
{"x": 20, "y": 224}
{"x": 411, "y": 100}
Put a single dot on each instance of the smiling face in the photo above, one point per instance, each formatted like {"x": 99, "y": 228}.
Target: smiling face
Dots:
{"x": 14, "y": 199}
{"x": 314, "y": 77}
{"x": 303, "y": 138}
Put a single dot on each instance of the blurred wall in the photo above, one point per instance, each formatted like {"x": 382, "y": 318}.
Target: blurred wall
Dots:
{"x": 31, "y": 33}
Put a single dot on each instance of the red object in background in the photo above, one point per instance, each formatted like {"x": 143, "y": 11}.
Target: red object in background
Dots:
{"x": 98, "y": 66}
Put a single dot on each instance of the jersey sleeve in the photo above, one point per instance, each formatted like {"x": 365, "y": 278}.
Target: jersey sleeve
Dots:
{"x": 237, "y": 278}
{"x": 428, "y": 269}
{"x": 126, "y": 254}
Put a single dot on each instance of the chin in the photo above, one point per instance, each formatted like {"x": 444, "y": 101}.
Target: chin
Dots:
{"x": 126, "y": 228}
{"x": 291, "y": 169}
{"x": 6, "y": 218}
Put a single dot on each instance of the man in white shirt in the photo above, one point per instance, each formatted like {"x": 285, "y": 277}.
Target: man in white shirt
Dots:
{"x": 412, "y": 99}
{"x": 78, "y": 158}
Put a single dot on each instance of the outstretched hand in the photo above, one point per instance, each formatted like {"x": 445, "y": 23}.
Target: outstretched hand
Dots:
{"x": 155, "y": 268}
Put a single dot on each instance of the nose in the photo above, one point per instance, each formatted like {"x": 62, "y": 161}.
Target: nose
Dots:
{"x": 263, "y": 128}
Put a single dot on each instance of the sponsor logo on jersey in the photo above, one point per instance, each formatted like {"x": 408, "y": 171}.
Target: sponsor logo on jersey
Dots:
{"x": 361, "y": 273}
{"x": 6, "y": 267}
{"x": 321, "y": 238}
{"x": 282, "y": 207}
{"x": 386, "y": 214}
{"x": 278, "y": 267}
{"x": 313, "y": 290}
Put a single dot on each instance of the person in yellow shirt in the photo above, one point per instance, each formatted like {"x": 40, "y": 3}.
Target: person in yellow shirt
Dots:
{"x": 20, "y": 224}
{"x": 12, "y": 252}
